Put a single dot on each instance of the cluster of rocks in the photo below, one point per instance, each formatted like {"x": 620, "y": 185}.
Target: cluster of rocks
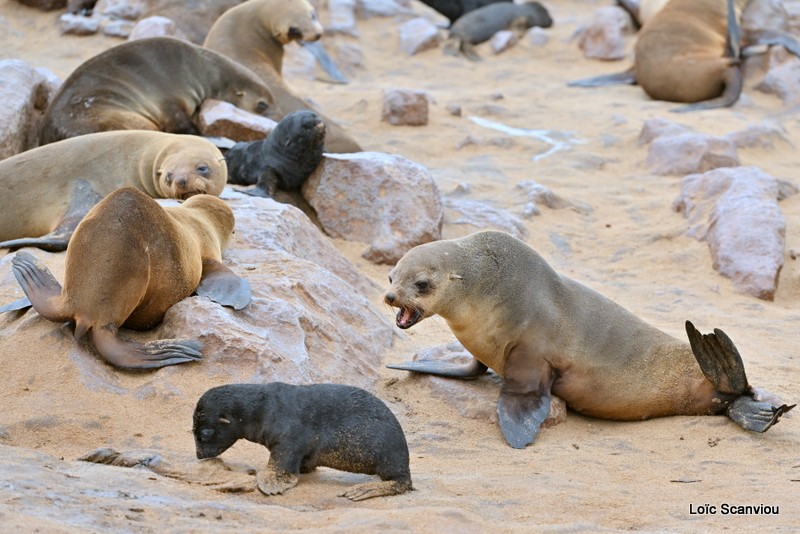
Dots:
{"x": 604, "y": 37}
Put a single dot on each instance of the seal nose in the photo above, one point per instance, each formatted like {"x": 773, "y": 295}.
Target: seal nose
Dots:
{"x": 390, "y": 297}
{"x": 182, "y": 182}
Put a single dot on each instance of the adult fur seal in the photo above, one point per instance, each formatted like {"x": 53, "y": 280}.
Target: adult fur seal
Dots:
{"x": 454, "y": 9}
{"x": 546, "y": 334}
{"x": 283, "y": 160}
{"x": 193, "y": 17}
{"x": 254, "y": 34}
{"x": 304, "y": 427}
{"x": 151, "y": 84}
{"x": 689, "y": 51}
{"x": 479, "y": 25}
{"x": 128, "y": 262}
{"x": 50, "y": 188}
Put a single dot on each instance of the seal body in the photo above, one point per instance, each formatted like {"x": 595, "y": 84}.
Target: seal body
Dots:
{"x": 254, "y": 34}
{"x": 545, "y": 333}
{"x": 50, "y": 188}
{"x": 284, "y": 159}
{"x": 151, "y": 84}
{"x": 328, "y": 425}
{"x": 193, "y": 17}
{"x": 128, "y": 262}
{"x": 453, "y": 9}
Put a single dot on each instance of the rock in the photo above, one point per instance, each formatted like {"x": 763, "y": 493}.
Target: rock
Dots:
{"x": 383, "y": 8}
{"x": 736, "y": 212}
{"x": 603, "y": 38}
{"x": 536, "y": 194}
{"x": 341, "y": 17}
{"x": 690, "y": 153}
{"x": 118, "y": 28}
{"x": 122, "y": 9}
{"x": 474, "y": 215}
{"x": 765, "y": 15}
{"x": 385, "y": 200}
{"x": 763, "y": 135}
{"x": 783, "y": 81}
{"x": 537, "y": 36}
{"x": 660, "y": 127}
{"x": 502, "y": 41}
{"x": 418, "y": 35}
{"x": 223, "y": 119}
{"x": 156, "y": 27}
{"x": 78, "y": 24}
{"x": 454, "y": 109}
{"x": 403, "y": 107}
{"x": 24, "y": 96}
{"x": 44, "y": 5}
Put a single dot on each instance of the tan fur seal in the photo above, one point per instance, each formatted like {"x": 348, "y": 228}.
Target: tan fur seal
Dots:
{"x": 689, "y": 51}
{"x": 51, "y": 188}
{"x": 254, "y": 34}
{"x": 128, "y": 262}
{"x": 546, "y": 334}
{"x": 151, "y": 84}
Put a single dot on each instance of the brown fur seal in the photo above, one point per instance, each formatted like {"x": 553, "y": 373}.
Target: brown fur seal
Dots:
{"x": 254, "y": 34}
{"x": 479, "y": 25}
{"x": 54, "y": 186}
{"x": 304, "y": 427}
{"x": 151, "y": 84}
{"x": 546, "y": 334}
{"x": 128, "y": 262}
{"x": 689, "y": 51}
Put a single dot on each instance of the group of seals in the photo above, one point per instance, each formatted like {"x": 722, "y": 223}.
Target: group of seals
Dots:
{"x": 254, "y": 34}
{"x": 304, "y": 427}
{"x": 52, "y": 187}
{"x": 546, "y": 334}
{"x": 481, "y": 24}
{"x": 127, "y": 263}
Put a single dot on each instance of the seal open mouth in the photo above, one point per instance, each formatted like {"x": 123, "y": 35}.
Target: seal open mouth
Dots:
{"x": 408, "y": 317}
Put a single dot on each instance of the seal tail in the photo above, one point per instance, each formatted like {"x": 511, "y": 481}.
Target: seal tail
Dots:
{"x": 723, "y": 367}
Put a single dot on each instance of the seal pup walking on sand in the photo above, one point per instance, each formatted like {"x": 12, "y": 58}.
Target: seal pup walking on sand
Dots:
{"x": 52, "y": 187}
{"x": 128, "y": 262}
{"x": 304, "y": 427}
{"x": 546, "y": 334}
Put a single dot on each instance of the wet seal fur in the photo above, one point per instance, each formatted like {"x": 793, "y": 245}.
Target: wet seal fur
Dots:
{"x": 127, "y": 263}
{"x": 254, "y": 34}
{"x": 690, "y": 52}
{"x": 54, "y": 186}
{"x": 283, "y": 160}
{"x": 481, "y": 24}
{"x": 546, "y": 334}
{"x": 151, "y": 84}
{"x": 304, "y": 427}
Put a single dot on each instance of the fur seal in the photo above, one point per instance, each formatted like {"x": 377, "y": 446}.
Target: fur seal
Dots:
{"x": 479, "y": 25}
{"x": 546, "y": 334}
{"x": 127, "y": 263}
{"x": 254, "y": 34}
{"x": 283, "y": 160}
{"x": 151, "y": 84}
{"x": 689, "y": 51}
{"x": 454, "y": 9}
{"x": 55, "y": 185}
{"x": 304, "y": 427}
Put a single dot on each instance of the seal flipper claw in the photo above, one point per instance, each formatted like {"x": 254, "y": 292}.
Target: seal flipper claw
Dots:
{"x": 470, "y": 371}
{"x": 222, "y": 286}
{"x": 40, "y": 286}
{"x": 719, "y": 360}
{"x": 754, "y": 415}
{"x": 129, "y": 354}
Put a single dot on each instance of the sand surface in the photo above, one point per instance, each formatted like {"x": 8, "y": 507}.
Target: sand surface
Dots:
{"x": 584, "y": 474}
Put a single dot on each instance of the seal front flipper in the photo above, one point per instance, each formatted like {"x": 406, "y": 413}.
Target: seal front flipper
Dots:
{"x": 273, "y": 480}
{"x": 472, "y": 370}
{"x": 626, "y": 77}
{"x": 222, "y": 286}
{"x": 128, "y": 354}
{"x": 324, "y": 60}
{"x": 40, "y": 286}
{"x": 21, "y": 304}
{"x": 772, "y": 38}
{"x": 524, "y": 398}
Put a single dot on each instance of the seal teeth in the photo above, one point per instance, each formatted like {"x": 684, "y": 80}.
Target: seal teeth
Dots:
{"x": 407, "y": 317}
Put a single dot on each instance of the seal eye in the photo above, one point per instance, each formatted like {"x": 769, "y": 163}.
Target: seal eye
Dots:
{"x": 207, "y": 434}
{"x": 203, "y": 169}
{"x": 262, "y": 106}
{"x": 422, "y": 285}
{"x": 390, "y": 279}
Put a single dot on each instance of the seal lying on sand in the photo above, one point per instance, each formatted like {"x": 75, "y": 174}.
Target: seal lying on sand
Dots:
{"x": 283, "y": 160}
{"x": 151, "y": 84}
{"x": 546, "y": 334}
{"x": 454, "y": 9}
{"x": 128, "y": 262}
{"x": 54, "y": 186}
{"x": 254, "y": 34}
{"x": 478, "y": 26}
{"x": 304, "y": 427}
{"x": 689, "y": 51}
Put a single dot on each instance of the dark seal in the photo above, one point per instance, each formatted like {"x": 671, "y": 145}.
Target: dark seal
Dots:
{"x": 454, "y": 9}
{"x": 283, "y": 160}
{"x": 328, "y": 425}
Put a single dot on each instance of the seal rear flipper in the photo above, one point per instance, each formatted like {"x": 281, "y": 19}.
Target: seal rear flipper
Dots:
{"x": 221, "y": 285}
{"x": 21, "y": 304}
{"x": 521, "y": 415}
{"x": 40, "y": 286}
{"x": 719, "y": 360}
{"x": 627, "y": 77}
{"x": 755, "y": 415}
{"x": 470, "y": 371}
{"x": 127, "y": 354}
{"x": 772, "y": 38}
{"x": 334, "y": 75}
{"x": 368, "y": 490}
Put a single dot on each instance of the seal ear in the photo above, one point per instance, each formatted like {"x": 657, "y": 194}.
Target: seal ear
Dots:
{"x": 455, "y": 277}
{"x": 224, "y": 420}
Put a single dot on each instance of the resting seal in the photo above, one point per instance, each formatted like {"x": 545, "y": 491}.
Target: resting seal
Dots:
{"x": 254, "y": 34}
{"x": 128, "y": 262}
{"x": 479, "y": 25}
{"x": 545, "y": 334}
{"x": 283, "y": 160}
{"x": 151, "y": 84}
{"x": 54, "y": 186}
{"x": 304, "y": 427}
{"x": 454, "y": 9}
{"x": 193, "y": 17}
